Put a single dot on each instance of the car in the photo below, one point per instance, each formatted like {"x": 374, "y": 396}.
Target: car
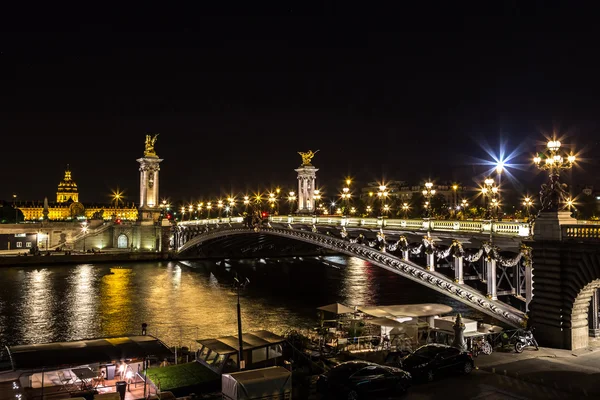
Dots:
{"x": 363, "y": 380}
{"x": 432, "y": 360}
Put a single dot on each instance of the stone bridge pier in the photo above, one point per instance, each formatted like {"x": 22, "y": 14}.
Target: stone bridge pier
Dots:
{"x": 566, "y": 262}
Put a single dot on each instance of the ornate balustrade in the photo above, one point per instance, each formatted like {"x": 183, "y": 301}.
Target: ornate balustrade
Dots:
{"x": 582, "y": 231}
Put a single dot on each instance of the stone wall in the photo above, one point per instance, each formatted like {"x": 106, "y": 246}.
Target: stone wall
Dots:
{"x": 566, "y": 274}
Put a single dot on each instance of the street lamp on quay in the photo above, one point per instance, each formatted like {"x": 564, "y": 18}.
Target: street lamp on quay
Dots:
{"x": 15, "y": 207}
{"x": 428, "y": 192}
{"x": 246, "y": 202}
{"x": 84, "y": 231}
{"x": 554, "y": 161}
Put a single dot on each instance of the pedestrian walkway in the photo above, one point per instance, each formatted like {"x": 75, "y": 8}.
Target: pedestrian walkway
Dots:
{"x": 572, "y": 372}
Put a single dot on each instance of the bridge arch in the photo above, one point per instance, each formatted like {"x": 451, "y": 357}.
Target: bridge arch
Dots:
{"x": 407, "y": 269}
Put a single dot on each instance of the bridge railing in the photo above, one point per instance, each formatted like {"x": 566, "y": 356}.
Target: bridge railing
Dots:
{"x": 581, "y": 231}
{"x": 508, "y": 228}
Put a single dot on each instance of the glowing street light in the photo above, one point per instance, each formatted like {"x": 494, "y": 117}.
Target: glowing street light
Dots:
{"x": 489, "y": 192}
{"x": 405, "y": 208}
{"x": 428, "y": 192}
{"x": 554, "y": 161}
{"x": 528, "y": 203}
{"x": 292, "y": 199}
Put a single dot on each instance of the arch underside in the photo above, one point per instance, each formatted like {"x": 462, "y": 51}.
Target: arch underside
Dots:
{"x": 407, "y": 269}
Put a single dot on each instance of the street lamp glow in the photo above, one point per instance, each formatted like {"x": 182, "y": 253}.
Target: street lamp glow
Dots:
{"x": 554, "y": 145}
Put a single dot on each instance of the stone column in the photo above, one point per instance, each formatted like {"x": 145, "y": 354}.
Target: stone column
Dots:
{"x": 405, "y": 255}
{"x": 430, "y": 261}
{"x": 458, "y": 270}
{"x": 491, "y": 279}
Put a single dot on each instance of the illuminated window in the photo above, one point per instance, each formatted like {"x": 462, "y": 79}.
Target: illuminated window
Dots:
{"x": 28, "y": 244}
{"x": 19, "y": 244}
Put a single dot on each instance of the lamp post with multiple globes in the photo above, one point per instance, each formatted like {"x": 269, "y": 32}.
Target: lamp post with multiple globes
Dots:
{"x": 291, "y": 199}
{"x": 346, "y": 195}
{"x": 553, "y": 195}
{"x": 489, "y": 191}
{"x": 382, "y": 194}
{"x": 428, "y": 192}
{"x": 528, "y": 203}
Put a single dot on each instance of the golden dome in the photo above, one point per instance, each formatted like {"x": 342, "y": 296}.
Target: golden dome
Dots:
{"x": 67, "y": 189}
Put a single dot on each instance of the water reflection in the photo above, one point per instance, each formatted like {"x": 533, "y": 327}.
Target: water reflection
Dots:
{"x": 116, "y": 294}
{"x": 182, "y": 302}
{"x": 37, "y": 315}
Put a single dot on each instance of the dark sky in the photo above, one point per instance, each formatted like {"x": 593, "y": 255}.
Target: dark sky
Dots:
{"x": 384, "y": 94}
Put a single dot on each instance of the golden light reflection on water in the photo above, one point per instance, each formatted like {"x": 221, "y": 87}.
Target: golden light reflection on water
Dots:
{"x": 358, "y": 287}
{"x": 81, "y": 306}
{"x": 116, "y": 301}
{"x": 37, "y": 308}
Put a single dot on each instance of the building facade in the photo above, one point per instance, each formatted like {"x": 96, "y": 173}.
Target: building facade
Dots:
{"x": 68, "y": 207}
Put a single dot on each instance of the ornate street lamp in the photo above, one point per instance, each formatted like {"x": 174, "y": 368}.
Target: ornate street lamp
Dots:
{"x": 208, "y": 208}
{"x": 382, "y": 194}
{"x": 84, "y": 231}
{"x": 182, "y": 213}
{"x": 553, "y": 194}
{"x": 405, "y": 208}
{"x": 291, "y": 200}
{"x": 489, "y": 192}
{"x": 528, "y": 203}
{"x": 346, "y": 197}
{"x": 428, "y": 192}
{"x": 317, "y": 198}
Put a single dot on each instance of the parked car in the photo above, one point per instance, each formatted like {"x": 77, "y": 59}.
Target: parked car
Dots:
{"x": 433, "y": 360}
{"x": 363, "y": 380}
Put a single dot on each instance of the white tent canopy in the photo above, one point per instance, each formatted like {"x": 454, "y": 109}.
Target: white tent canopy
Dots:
{"x": 386, "y": 321}
{"x": 406, "y": 310}
{"x": 336, "y": 308}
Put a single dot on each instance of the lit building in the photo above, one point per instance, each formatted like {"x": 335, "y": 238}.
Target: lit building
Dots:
{"x": 67, "y": 206}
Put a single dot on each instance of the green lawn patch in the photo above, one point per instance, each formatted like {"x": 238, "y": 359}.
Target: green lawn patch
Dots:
{"x": 182, "y": 375}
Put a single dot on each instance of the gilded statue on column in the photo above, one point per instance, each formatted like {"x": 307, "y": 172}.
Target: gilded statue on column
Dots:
{"x": 149, "y": 150}
{"x": 307, "y": 157}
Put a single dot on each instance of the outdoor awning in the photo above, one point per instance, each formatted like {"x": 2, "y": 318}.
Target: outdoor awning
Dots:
{"x": 407, "y": 310}
{"x": 336, "y": 308}
{"x": 81, "y": 352}
{"x": 251, "y": 340}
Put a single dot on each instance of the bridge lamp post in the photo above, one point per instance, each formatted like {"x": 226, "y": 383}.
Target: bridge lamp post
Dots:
{"x": 278, "y": 197}
{"x": 291, "y": 200}
{"x": 553, "y": 193}
{"x": 220, "y": 207}
{"x": 405, "y": 208}
{"x": 369, "y": 209}
{"x": 528, "y": 203}
{"x": 489, "y": 192}
{"x": 272, "y": 200}
{"x": 317, "y": 198}
{"x": 386, "y": 209}
{"x": 238, "y": 286}
{"x": 346, "y": 198}
{"x": 199, "y": 209}
{"x": 231, "y": 202}
{"x": 382, "y": 194}
{"x": 428, "y": 192}
{"x": 208, "y": 208}
{"x": 246, "y": 203}
{"x": 463, "y": 205}
{"x": 182, "y": 213}
{"x": 455, "y": 197}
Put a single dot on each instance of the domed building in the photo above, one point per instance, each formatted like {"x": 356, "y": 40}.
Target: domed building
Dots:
{"x": 67, "y": 189}
{"x": 67, "y": 206}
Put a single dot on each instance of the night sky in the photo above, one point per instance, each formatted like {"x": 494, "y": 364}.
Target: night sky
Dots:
{"x": 235, "y": 98}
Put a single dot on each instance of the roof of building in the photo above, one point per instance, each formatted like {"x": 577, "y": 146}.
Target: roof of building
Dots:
{"x": 67, "y": 185}
{"x": 252, "y": 340}
{"x": 81, "y": 352}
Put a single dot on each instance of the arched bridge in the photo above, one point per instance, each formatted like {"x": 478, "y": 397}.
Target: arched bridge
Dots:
{"x": 378, "y": 252}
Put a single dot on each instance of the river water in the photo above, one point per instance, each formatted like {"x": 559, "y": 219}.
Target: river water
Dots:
{"x": 185, "y": 301}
